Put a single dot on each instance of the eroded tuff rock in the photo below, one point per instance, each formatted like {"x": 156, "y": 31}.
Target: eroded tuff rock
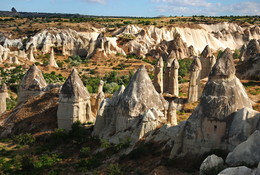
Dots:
{"x": 3, "y": 96}
{"x": 131, "y": 113}
{"x": 74, "y": 102}
{"x": 250, "y": 69}
{"x": 100, "y": 97}
{"x": 194, "y": 85}
{"x": 242, "y": 170}
{"x": 174, "y": 82}
{"x": 247, "y": 152}
{"x": 207, "y": 61}
{"x": 32, "y": 84}
{"x": 250, "y": 50}
{"x": 158, "y": 75}
{"x": 211, "y": 164}
{"x": 52, "y": 61}
{"x": 172, "y": 114}
{"x": 213, "y": 123}
{"x": 31, "y": 56}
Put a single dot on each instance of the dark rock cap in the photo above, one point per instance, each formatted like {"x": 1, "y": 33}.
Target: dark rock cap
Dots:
{"x": 224, "y": 67}
{"x": 206, "y": 52}
{"x": 33, "y": 79}
{"x": 74, "y": 87}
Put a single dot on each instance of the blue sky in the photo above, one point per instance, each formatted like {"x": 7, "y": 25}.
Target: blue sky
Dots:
{"x": 145, "y": 8}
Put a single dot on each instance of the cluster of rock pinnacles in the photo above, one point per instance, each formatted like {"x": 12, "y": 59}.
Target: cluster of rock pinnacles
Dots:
{"x": 223, "y": 119}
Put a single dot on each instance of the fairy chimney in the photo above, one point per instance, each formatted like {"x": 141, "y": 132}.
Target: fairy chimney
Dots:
{"x": 158, "y": 76}
{"x": 32, "y": 84}
{"x": 194, "y": 85}
{"x": 52, "y": 61}
{"x": 74, "y": 102}
{"x": 3, "y": 97}
{"x": 174, "y": 84}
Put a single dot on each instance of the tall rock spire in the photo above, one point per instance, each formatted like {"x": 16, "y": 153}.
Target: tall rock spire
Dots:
{"x": 74, "y": 102}
{"x": 194, "y": 85}
{"x": 174, "y": 84}
{"x": 158, "y": 76}
{"x": 52, "y": 61}
{"x": 3, "y": 96}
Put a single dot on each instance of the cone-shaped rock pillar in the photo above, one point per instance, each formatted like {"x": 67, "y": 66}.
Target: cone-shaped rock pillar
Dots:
{"x": 158, "y": 76}
{"x": 132, "y": 113}
{"x": 194, "y": 85}
{"x": 174, "y": 84}
{"x": 74, "y": 102}
{"x": 207, "y": 61}
{"x": 224, "y": 116}
{"x": 3, "y": 97}
{"x": 30, "y": 55}
{"x": 32, "y": 84}
{"x": 171, "y": 114}
{"x": 52, "y": 61}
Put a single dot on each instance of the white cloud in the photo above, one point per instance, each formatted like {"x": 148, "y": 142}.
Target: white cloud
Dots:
{"x": 202, "y": 7}
{"x": 96, "y": 1}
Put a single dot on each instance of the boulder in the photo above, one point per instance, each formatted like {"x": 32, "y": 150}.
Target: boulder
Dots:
{"x": 246, "y": 153}
{"x": 242, "y": 170}
{"x": 212, "y": 165}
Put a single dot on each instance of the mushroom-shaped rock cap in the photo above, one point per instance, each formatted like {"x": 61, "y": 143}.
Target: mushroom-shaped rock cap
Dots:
{"x": 160, "y": 63}
{"x": 224, "y": 67}
{"x": 206, "y": 52}
{"x": 175, "y": 64}
{"x": 33, "y": 79}
{"x": 196, "y": 64}
{"x": 140, "y": 95}
{"x": 74, "y": 87}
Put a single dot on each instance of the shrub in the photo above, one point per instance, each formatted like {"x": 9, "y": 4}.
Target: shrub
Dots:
{"x": 114, "y": 169}
{"x": 85, "y": 151}
{"x": 24, "y": 139}
{"x": 88, "y": 164}
{"x": 184, "y": 67}
{"x": 46, "y": 160}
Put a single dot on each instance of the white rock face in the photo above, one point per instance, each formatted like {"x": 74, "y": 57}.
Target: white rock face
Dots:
{"x": 158, "y": 76}
{"x": 131, "y": 113}
{"x": 194, "y": 85}
{"x": 3, "y": 96}
{"x": 211, "y": 164}
{"x": 174, "y": 82}
{"x": 52, "y": 61}
{"x": 172, "y": 114}
{"x": 74, "y": 102}
{"x": 242, "y": 170}
{"x": 246, "y": 152}
{"x": 31, "y": 56}
{"x": 32, "y": 84}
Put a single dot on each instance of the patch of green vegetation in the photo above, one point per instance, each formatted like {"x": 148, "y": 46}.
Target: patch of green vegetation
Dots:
{"x": 11, "y": 103}
{"x": 12, "y": 77}
{"x": 114, "y": 169}
{"x": 24, "y": 139}
{"x": 121, "y": 66}
{"x": 53, "y": 78}
{"x": 184, "y": 67}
